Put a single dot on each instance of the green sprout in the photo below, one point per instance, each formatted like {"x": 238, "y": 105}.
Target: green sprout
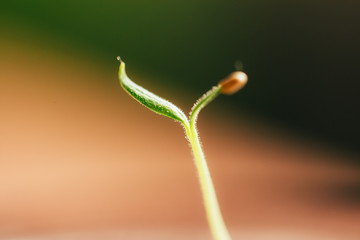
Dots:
{"x": 229, "y": 85}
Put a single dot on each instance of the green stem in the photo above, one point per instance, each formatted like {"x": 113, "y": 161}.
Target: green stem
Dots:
{"x": 213, "y": 213}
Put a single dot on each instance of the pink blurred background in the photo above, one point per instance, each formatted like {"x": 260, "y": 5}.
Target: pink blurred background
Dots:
{"x": 80, "y": 159}
{"x": 80, "y": 156}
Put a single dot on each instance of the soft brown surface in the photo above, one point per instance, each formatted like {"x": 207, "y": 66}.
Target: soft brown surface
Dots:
{"x": 79, "y": 155}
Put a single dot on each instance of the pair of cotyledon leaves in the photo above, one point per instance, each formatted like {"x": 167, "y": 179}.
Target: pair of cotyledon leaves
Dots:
{"x": 160, "y": 105}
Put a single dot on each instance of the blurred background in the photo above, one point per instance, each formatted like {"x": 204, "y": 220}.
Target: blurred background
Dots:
{"x": 80, "y": 158}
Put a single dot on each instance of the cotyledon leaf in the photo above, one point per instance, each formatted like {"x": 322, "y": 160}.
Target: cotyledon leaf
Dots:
{"x": 150, "y": 100}
{"x": 202, "y": 102}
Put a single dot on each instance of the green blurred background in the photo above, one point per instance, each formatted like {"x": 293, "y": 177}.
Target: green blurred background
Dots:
{"x": 78, "y": 154}
{"x": 301, "y": 56}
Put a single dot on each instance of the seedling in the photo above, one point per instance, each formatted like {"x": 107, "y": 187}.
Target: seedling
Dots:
{"x": 229, "y": 85}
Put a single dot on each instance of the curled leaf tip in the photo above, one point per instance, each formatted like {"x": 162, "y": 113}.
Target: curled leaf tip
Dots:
{"x": 233, "y": 83}
{"x": 119, "y": 59}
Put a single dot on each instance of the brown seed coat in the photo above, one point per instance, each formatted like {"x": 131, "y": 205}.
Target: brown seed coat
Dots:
{"x": 233, "y": 83}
